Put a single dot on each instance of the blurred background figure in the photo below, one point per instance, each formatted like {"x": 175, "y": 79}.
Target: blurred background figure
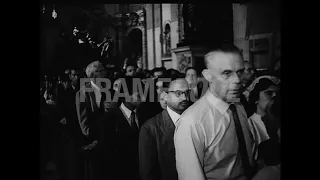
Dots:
{"x": 269, "y": 160}
{"x": 75, "y": 79}
{"x": 158, "y": 73}
{"x": 262, "y": 96}
{"x": 249, "y": 74}
{"x": 131, "y": 70}
{"x": 195, "y": 85}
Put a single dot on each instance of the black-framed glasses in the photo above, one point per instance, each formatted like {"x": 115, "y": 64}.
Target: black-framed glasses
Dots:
{"x": 178, "y": 93}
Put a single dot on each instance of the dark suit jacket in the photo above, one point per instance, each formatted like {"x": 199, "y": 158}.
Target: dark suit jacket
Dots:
{"x": 89, "y": 116}
{"x": 120, "y": 145}
{"x": 156, "y": 149}
{"x": 66, "y": 101}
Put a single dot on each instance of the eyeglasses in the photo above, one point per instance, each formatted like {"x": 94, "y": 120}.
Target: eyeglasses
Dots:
{"x": 178, "y": 93}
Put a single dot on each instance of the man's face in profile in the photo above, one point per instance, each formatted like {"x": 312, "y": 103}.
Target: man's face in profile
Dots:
{"x": 248, "y": 74}
{"x": 226, "y": 70}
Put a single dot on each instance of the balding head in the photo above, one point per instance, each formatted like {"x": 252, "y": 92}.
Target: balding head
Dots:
{"x": 178, "y": 84}
{"x": 224, "y": 71}
{"x": 177, "y": 97}
{"x": 95, "y": 70}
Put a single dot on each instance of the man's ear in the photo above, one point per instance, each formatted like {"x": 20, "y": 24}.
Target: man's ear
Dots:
{"x": 207, "y": 75}
{"x": 165, "y": 95}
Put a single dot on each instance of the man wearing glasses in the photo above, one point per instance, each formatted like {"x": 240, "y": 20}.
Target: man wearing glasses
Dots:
{"x": 156, "y": 146}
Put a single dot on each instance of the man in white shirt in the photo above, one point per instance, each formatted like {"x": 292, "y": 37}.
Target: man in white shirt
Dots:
{"x": 156, "y": 147}
{"x": 208, "y": 133}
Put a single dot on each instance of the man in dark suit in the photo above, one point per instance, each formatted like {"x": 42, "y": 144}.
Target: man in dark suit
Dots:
{"x": 89, "y": 106}
{"x": 69, "y": 125}
{"x": 156, "y": 146}
{"x": 121, "y": 134}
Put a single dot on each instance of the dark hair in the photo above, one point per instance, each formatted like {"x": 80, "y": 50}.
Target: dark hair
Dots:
{"x": 263, "y": 84}
{"x": 64, "y": 78}
{"x": 225, "y": 48}
{"x": 188, "y": 68}
{"x": 157, "y": 70}
{"x": 172, "y": 73}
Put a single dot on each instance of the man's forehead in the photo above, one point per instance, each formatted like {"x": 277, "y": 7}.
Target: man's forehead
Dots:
{"x": 191, "y": 71}
{"x": 180, "y": 84}
{"x": 225, "y": 61}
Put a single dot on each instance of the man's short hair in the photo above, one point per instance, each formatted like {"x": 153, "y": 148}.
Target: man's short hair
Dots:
{"x": 93, "y": 67}
{"x": 224, "y": 48}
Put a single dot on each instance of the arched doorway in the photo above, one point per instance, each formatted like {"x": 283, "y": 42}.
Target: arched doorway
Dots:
{"x": 134, "y": 49}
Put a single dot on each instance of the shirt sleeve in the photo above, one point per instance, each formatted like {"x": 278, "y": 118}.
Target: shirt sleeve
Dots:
{"x": 189, "y": 144}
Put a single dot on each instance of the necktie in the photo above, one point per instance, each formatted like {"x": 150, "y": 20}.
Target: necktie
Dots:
{"x": 242, "y": 143}
{"x": 103, "y": 98}
{"x": 133, "y": 122}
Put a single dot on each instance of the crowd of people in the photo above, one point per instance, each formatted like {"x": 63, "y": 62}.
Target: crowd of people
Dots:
{"x": 221, "y": 123}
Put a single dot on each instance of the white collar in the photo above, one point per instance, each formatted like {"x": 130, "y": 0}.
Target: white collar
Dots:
{"x": 126, "y": 110}
{"x": 221, "y": 106}
{"x": 173, "y": 115}
{"x": 95, "y": 86}
{"x": 256, "y": 116}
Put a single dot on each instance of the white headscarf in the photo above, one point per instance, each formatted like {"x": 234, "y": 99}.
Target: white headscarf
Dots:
{"x": 253, "y": 84}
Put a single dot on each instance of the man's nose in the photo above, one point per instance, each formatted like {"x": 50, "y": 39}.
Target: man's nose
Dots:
{"x": 237, "y": 79}
{"x": 184, "y": 96}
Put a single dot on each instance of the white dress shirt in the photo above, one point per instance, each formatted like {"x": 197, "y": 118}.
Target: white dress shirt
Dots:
{"x": 173, "y": 115}
{"x": 127, "y": 113}
{"x": 259, "y": 130}
{"x": 206, "y": 141}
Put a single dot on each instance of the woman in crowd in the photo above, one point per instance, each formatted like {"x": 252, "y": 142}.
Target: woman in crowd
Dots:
{"x": 269, "y": 151}
{"x": 262, "y": 94}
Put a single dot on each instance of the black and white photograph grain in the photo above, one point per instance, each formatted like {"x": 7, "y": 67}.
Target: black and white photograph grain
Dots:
{"x": 160, "y": 91}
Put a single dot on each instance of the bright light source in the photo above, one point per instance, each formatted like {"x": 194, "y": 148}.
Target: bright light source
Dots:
{"x": 54, "y": 13}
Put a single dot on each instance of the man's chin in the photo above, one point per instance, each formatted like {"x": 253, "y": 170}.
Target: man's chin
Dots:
{"x": 233, "y": 98}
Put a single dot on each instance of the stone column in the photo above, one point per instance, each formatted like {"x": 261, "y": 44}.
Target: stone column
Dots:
{"x": 144, "y": 40}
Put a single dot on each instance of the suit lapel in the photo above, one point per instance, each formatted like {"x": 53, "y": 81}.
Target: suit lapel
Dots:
{"x": 121, "y": 119}
{"x": 93, "y": 101}
{"x": 91, "y": 98}
{"x": 167, "y": 127}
